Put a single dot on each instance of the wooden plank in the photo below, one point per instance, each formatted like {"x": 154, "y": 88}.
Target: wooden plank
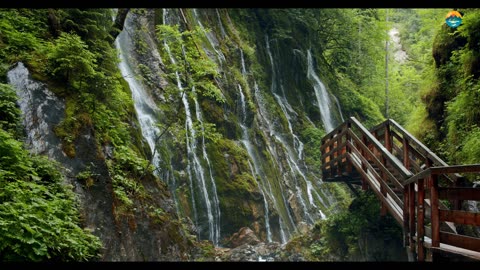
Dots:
{"x": 453, "y": 250}
{"x": 388, "y": 138}
{"x": 380, "y": 127}
{"x": 456, "y": 169}
{"x": 336, "y": 147}
{"x": 459, "y": 193}
{"x": 434, "y": 211}
{"x": 460, "y": 217}
{"x": 421, "y": 175}
{"x": 411, "y": 214}
{"x": 333, "y": 133}
{"x": 420, "y": 220}
{"x": 462, "y": 241}
{"x": 406, "y": 158}
{"x": 406, "y": 206}
{"x": 334, "y": 161}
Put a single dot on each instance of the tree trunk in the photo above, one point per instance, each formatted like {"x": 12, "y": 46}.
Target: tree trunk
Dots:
{"x": 53, "y": 23}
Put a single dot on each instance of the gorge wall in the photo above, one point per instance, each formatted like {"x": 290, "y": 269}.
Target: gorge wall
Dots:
{"x": 229, "y": 107}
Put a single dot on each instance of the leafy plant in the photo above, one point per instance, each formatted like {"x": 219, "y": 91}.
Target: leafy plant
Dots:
{"x": 71, "y": 60}
{"x": 39, "y": 219}
{"x": 9, "y": 112}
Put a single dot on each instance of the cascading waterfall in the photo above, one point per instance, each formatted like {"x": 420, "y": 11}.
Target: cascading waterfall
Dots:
{"x": 144, "y": 105}
{"x": 246, "y": 142}
{"x": 210, "y": 37}
{"x": 222, "y": 29}
{"x": 339, "y": 108}
{"x": 216, "y": 203}
{"x": 323, "y": 99}
{"x": 263, "y": 116}
{"x": 282, "y": 101}
{"x": 194, "y": 167}
{"x": 266, "y": 187}
{"x": 298, "y": 145}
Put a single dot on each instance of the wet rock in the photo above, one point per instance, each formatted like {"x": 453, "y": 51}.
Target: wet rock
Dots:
{"x": 244, "y": 236}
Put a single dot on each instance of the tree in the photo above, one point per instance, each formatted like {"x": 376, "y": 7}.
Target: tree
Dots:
{"x": 71, "y": 60}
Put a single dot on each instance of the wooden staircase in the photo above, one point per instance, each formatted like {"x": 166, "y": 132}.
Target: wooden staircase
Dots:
{"x": 423, "y": 193}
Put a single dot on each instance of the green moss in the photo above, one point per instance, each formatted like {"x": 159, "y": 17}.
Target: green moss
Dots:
{"x": 236, "y": 187}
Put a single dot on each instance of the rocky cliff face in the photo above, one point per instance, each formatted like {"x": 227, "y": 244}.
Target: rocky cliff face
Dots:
{"x": 136, "y": 237}
{"x": 245, "y": 162}
{"x": 255, "y": 175}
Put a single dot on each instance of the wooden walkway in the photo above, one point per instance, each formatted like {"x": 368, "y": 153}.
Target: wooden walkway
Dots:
{"x": 425, "y": 195}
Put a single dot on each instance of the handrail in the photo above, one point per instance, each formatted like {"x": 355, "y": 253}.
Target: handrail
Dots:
{"x": 384, "y": 156}
{"x": 441, "y": 170}
{"x": 417, "y": 148}
{"x": 420, "y": 145}
{"x": 389, "y": 156}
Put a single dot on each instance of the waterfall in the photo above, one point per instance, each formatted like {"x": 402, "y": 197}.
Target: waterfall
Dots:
{"x": 144, "y": 105}
{"x": 292, "y": 161}
{"x": 222, "y": 29}
{"x": 254, "y": 169}
{"x": 195, "y": 170}
{"x": 339, "y": 108}
{"x": 216, "y": 203}
{"x": 266, "y": 187}
{"x": 211, "y": 39}
{"x": 323, "y": 99}
{"x": 263, "y": 116}
{"x": 244, "y": 69}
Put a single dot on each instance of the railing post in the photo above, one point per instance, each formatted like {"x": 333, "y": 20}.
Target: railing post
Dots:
{"x": 339, "y": 153}
{"x": 406, "y": 194}
{"x": 364, "y": 167}
{"x": 388, "y": 138}
{"x": 383, "y": 190}
{"x": 411, "y": 214}
{"x": 457, "y": 204}
{"x": 420, "y": 220}
{"x": 332, "y": 157}
{"x": 349, "y": 151}
{"x": 435, "y": 216}
{"x": 405, "y": 215}
{"x": 406, "y": 156}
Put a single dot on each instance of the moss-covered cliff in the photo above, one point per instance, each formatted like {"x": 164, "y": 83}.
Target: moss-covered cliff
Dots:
{"x": 225, "y": 132}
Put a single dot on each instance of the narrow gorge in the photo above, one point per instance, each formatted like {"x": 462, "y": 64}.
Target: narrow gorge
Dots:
{"x": 194, "y": 134}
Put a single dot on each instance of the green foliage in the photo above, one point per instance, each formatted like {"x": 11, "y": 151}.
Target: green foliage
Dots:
{"x": 39, "y": 220}
{"x": 126, "y": 169}
{"x": 452, "y": 116}
{"x": 9, "y": 112}
{"x": 91, "y": 24}
{"x": 207, "y": 131}
{"x": 71, "y": 60}
{"x": 198, "y": 70}
{"x": 337, "y": 237}
{"x": 312, "y": 139}
{"x": 470, "y": 153}
{"x": 13, "y": 159}
{"x": 21, "y": 31}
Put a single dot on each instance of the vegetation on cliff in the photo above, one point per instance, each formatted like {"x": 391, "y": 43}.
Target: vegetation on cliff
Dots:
{"x": 435, "y": 93}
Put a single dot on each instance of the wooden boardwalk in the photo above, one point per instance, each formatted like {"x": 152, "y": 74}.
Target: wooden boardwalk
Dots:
{"x": 425, "y": 195}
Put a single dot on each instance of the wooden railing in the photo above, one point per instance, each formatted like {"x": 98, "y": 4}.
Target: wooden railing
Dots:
{"x": 423, "y": 193}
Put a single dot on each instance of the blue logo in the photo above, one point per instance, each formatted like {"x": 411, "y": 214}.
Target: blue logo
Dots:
{"x": 454, "y": 19}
